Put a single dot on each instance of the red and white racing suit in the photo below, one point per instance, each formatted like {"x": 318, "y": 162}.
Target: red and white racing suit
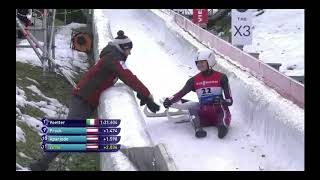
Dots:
{"x": 212, "y": 108}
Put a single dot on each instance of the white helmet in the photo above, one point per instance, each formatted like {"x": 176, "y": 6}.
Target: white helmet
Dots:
{"x": 206, "y": 54}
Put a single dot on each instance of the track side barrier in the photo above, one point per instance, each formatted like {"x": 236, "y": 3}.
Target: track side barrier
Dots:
{"x": 288, "y": 87}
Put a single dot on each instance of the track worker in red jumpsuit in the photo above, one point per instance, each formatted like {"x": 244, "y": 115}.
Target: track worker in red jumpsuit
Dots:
{"x": 101, "y": 76}
{"x": 210, "y": 86}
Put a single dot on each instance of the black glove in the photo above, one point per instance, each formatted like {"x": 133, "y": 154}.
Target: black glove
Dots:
{"x": 152, "y": 106}
{"x": 167, "y": 103}
{"x": 143, "y": 100}
{"x": 226, "y": 103}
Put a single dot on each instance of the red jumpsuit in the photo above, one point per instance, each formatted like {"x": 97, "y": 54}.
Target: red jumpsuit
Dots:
{"x": 212, "y": 109}
{"x": 104, "y": 74}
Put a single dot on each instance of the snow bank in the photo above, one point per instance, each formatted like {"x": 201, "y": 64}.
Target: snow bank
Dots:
{"x": 280, "y": 41}
{"x": 133, "y": 130}
{"x": 275, "y": 120}
{"x": 137, "y": 149}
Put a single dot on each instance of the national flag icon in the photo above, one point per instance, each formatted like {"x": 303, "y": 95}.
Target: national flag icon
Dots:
{"x": 92, "y": 122}
{"x": 92, "y": 130}
{"x": 92, "y": 138}
{"x": 92, "y": 146}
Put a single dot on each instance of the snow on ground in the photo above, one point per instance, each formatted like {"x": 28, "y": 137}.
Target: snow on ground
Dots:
{"x": 71, "y": 60}
{"x": 52, "y": 108}
{"x": 32, "y": 80}
{"x": 21, "y": 168}
{"x": 50, "y": 111}
{"x": 27, "y": 55}
{"x": 34, "y": 123}
{"x": 65, "y": 56}
{"x": 36, "y": 90}
{"x": 278, "y": 36}
{"x": 24, "y": 156}
{"x": 20, "y": 134}
{"x": 164, "y": 68}
{"x": 20, "y": 97}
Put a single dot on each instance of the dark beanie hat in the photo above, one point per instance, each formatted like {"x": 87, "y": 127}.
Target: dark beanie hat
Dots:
{"x": 123, "y": 41}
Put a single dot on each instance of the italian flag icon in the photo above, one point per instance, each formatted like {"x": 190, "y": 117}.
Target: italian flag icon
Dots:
{"x": 92, "y": 122}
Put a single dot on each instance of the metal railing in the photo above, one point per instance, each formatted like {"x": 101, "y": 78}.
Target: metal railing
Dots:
{"x": 47, "y": 54}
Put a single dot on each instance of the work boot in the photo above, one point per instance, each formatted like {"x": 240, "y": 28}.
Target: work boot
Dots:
{"x": 222, "y": 131}
{"x": 200, "y": 133}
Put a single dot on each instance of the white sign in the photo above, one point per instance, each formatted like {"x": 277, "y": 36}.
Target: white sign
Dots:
{"x": 241, "y": 26}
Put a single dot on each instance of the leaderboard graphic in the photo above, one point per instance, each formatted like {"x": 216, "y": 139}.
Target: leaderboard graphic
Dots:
{"x": 83, "y": 135}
